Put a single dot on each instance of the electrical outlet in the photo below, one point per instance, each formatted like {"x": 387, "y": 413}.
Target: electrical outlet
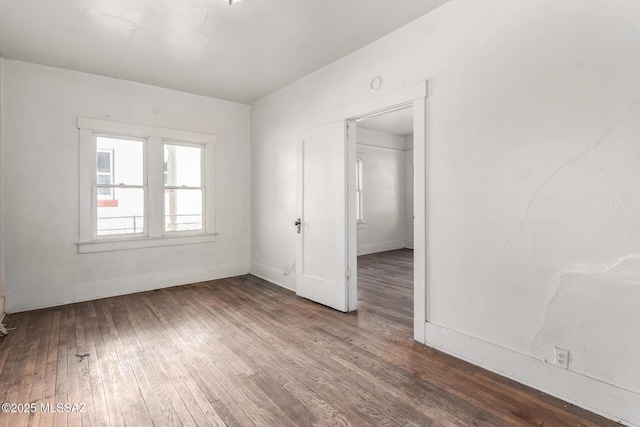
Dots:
{"x": 561, "y": 358}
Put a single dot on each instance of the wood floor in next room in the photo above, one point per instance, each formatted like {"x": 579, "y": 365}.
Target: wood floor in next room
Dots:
{"x": 242, "y": 352}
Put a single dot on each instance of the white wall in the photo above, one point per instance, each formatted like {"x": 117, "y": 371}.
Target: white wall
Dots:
{"x": 534, "y": 205}
{"x": 383, "y": 165}
{"x": 43, "y": 267}
{"x": 1, "y": 193}
{"x": 408, "y": 189}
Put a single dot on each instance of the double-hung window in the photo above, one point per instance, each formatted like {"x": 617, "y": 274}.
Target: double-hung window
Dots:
{"x": 142, "y": 186}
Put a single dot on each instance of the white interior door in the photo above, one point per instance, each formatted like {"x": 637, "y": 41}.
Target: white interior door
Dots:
{"x": 322, "y": 252}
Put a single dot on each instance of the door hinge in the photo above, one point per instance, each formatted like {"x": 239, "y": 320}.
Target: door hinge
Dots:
{"x": 348, "y": 273}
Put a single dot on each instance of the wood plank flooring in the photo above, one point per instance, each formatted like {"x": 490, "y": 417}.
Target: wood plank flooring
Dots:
{"x": 243, "y": 352}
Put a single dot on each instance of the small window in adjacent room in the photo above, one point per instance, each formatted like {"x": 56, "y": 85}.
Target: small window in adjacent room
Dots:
{"x": 359, "y": 195}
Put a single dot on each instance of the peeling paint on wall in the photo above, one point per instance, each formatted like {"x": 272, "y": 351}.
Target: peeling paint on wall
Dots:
{"x": 585, "y": 221}
{"x": 587, "y": 301}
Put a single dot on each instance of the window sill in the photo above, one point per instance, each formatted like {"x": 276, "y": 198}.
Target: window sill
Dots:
{"x": 143, "y": 242}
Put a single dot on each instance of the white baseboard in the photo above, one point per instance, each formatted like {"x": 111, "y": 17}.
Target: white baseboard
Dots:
{"x": 372, "y": 248}
{"x": 274, "y": 276}
{"x": 596, "y": 396}
{"x": 23, "y": 301}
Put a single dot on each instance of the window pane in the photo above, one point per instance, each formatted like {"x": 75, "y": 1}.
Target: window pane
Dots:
{"x": 183, "y": 210}
{"x": 122, "y": 158}
{"x": 125, "y": 217}
{"x": 182, "y": 165}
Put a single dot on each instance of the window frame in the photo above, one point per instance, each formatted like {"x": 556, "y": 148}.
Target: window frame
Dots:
{"x": 165, "y": 186}
{"x": 113, "y": 186}
{"x": 153, "y": 176}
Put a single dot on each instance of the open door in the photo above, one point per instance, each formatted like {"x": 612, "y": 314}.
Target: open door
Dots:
{"x": 322, "y": 266}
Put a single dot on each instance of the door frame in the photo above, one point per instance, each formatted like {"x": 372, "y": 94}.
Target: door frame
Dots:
{"x": 416, "y": 96}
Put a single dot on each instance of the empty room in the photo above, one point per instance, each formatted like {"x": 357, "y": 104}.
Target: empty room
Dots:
{"x": 310, "y": 213}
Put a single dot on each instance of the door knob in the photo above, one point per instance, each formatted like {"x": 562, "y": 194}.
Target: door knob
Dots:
{"x": 298, "y": 224}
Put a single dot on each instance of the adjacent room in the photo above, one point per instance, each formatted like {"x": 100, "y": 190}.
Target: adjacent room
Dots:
{"x": 384, "y": 215}
{"x": 294, "y": 213}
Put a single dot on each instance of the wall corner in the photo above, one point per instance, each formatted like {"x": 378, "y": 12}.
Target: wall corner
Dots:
{"x": 1, "y": 188}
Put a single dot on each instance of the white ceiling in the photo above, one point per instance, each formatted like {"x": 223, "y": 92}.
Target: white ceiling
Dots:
{"x": 398, "y": 122}
{"x": 240, "y": 52}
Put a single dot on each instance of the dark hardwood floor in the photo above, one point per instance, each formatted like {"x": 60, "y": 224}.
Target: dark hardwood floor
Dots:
{"x": 242, "y": 352}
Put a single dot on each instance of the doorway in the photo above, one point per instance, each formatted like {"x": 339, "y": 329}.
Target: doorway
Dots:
{"x": 414, "y": 96}
{"x": 330, "y": 276}
{"x": 384, "y": 216}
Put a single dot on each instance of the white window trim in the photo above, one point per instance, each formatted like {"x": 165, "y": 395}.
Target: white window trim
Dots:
{"x": 155, "y": 234}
